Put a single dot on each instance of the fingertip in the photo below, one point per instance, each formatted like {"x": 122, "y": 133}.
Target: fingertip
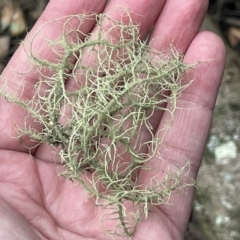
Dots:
{"x": 206, "y": 46}
{"x": 207, "y": 51}
{"x": 178, "y": 24}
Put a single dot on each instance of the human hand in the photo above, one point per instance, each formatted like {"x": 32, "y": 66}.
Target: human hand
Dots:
{"x": 42, "y": 204}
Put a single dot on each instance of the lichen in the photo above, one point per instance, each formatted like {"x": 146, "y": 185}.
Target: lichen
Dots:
{"x": 98, "y": 127}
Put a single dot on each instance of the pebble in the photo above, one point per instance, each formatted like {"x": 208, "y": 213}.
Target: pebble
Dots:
{"x": 234, "y": 36}
{"x": 213, "y": 142}
{"x": 236, "y": 137}
{"x": 225, "y": 152}
{"x": 198, "y": 207}
{"x": 226, "y": 204}
{"x": 228, "y": 177}
{"x": 234, "y": 234}
{"x": 4, "y": 46}
{"x": 12, "y": 18}
{"x": 222, "y": 220}
{"x": 1, "y": 68}
{"x": 18, "y": 25}
{"x": 6, "y": 14}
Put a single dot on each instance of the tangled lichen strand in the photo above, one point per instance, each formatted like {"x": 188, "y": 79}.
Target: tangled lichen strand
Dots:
{"x": 98, "y": 126}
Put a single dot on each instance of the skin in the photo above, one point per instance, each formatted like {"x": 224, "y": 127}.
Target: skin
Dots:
{"x": 35, "y": 203}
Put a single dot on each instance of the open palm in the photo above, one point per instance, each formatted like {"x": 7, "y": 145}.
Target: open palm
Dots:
{"x": 35, "y": 203}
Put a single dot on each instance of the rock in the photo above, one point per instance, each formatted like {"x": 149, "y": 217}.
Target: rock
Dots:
{"x": 4, "y": 46}
{"x": 40, "y": 5}
{"x": 213, "y": 142}
{"x": 234, "y": 36}
{"x": 18, "y": 25}
{"x": 236, "y": 137}
{"x": 11, "y": 16}
{"x": 222, "y": 220}
{"x": 225, "y": 152}
{"x": 1, "y": 68}
{"x": 225, "y": 203}
{"x": 228, "y": 177}
{"x": 6, "y": 14}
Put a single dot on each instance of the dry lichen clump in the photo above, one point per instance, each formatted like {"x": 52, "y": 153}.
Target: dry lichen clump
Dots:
{"x": 98, "y": 127}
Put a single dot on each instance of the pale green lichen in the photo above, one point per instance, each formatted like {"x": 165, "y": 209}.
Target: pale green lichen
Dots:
{"x": 97, "y": 127}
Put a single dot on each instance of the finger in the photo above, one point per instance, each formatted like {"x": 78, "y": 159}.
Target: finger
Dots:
{"x": 144, "y": 13}
{"x": 186, "y": 139}
{"x": 176, "y": 28}
{"x": 178, "y": 24}
{"x": 10, "y": 114}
